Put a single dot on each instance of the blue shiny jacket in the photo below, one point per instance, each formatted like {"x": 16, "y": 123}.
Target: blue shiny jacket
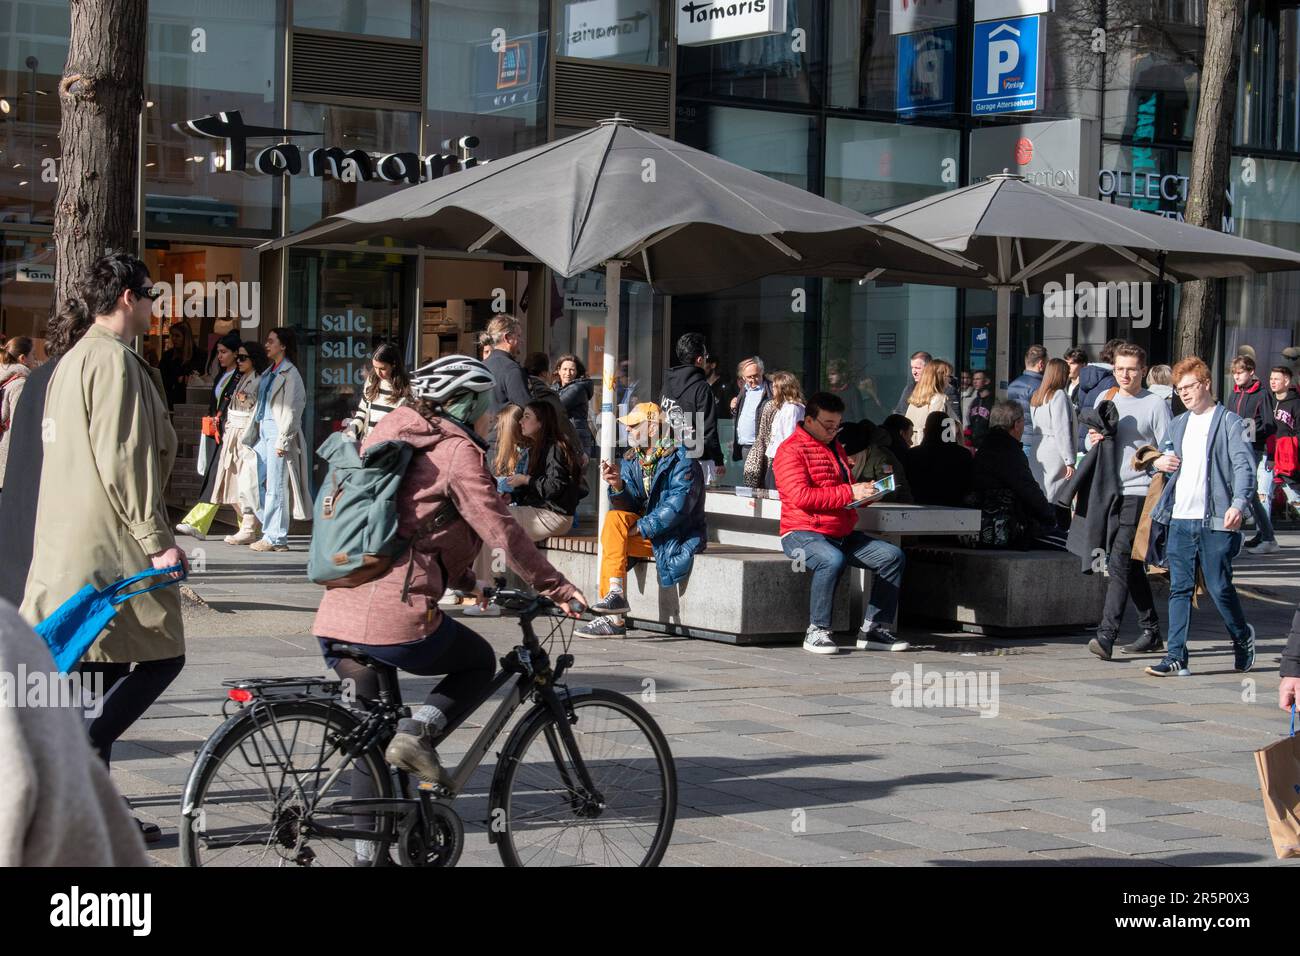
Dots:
{"x": 672, "y": 513}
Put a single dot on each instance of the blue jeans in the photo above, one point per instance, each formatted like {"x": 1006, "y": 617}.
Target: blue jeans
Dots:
{"x": 273, "y": 483}
{"x": 1190, "y": 542}
{"x": 826, "y": 557}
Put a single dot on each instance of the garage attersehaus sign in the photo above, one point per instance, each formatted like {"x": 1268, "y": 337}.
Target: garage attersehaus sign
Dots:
{"x": 348, "y": 164}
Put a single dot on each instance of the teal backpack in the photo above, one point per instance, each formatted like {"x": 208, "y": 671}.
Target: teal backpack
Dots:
{"x": 354, "y": 535}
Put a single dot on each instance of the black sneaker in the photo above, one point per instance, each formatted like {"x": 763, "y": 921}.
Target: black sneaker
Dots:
{"x": 1102, "y": 645}
{"x": 411, "y": 749}
{"x": 1244, "y": 654}
{"x": 612, "y": 603}
{"x": 601, "y": 627}
{"x": 880, "y": 639}
{"x": 1253, "y": 542}
{"x": 1151, "y": 642}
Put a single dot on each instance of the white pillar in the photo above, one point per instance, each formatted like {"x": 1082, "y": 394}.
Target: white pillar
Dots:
{"x": 608, "y": 398}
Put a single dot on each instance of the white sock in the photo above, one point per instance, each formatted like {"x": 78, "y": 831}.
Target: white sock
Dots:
{"x": 428, "y": 714}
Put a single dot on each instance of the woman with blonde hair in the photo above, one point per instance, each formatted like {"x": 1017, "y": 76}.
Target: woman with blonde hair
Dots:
{"x": 1051, "y": 446}
{"x": 930, "y": 395}
{"x": 781, "y": 416}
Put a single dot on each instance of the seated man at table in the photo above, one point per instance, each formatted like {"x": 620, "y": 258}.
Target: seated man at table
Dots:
{"x": 656, "y": 500}
{"x": 1014, "y": 512}
{"x": 812, "y": 475}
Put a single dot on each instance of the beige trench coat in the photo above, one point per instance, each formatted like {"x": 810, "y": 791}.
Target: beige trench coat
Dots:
{"x": 109, "y": 449}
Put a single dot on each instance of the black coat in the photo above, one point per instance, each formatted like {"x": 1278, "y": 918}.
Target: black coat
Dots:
{"x": 1095, "y": 490}
{"x": 556, "y": 487}
{"x": 576, "y": 398}
{"x": 509, "y": 387}
{"x": 1290, "y": 666}
{"x": 687, "y": 390}
{"x": 23, "y": 484}
{"x": 940, "y": 472}
{"x": 1000, "y": 464}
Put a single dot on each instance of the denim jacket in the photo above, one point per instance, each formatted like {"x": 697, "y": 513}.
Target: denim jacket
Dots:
{"x": 1229, "y": 474}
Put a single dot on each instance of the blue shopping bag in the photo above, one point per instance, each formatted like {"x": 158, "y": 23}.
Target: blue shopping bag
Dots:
{"x": 78, "y": 621}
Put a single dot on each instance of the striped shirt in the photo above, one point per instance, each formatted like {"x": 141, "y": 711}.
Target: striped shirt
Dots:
{"x": 369, "y": 413}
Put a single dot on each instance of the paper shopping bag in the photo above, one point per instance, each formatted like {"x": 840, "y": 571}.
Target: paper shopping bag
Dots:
{"x": 1279, "y": 779}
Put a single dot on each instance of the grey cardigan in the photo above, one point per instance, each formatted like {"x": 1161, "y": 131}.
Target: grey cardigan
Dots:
{"x": 1229, "y": 474}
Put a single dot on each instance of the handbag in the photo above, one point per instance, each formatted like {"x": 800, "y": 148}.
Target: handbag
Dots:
{"x": 77, "y": 622}
{"x": 1279, "y": 782}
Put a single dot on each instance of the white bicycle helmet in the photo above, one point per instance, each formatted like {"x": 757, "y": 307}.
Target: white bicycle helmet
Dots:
{"x": 445, "y": 379}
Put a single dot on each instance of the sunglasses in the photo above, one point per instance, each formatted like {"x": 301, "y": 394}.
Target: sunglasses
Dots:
{"x": 152, "y": 293}
{"x": 241, "y": 357}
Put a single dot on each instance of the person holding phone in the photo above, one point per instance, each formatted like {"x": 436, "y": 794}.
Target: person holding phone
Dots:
{"x": 816, "y": 485}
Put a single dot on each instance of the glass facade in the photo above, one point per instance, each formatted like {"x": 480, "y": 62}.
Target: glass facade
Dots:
{"x": 866, "y": 102}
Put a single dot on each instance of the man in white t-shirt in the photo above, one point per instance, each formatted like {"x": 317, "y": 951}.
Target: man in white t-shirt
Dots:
{"x": 1211, "y": 480}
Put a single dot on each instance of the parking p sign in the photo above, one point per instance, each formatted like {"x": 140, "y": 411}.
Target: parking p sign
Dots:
{"x": 1005, "y": 64}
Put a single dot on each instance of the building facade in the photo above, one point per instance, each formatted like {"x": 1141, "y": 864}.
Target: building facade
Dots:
{"x": 872, "y": 103}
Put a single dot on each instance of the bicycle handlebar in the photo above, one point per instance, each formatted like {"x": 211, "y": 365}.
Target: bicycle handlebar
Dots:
{"x": 526, "y": 605}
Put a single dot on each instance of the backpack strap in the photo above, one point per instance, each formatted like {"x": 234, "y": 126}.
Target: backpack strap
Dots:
{"x": 445, "y": 515}
{"x": 1111, "y": 393}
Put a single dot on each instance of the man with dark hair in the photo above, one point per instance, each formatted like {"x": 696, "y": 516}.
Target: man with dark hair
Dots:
{"x": 916, "y": 363}
{"x": 977, "y": 416}
{"x": 1249, "y": 401}
{"x": 1142, "y": 419}
{"x": 511, "y": 381}
{"x": 688, "y": 404}
{"x": 109, "y": 449}
{"x": 1022, "y": 388}
{"x": 817, "y": 528}
{"x": 1094, "y": 379}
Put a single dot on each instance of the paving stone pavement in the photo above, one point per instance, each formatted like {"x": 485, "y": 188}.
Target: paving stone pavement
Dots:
{"x": 787, "y": 758}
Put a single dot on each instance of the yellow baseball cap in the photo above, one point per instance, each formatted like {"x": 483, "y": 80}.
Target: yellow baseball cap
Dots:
{"x": 646, "y": 411}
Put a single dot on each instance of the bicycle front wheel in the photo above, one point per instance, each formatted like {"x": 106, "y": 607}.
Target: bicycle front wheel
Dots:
{"x": 262, "y": 790}
{"x": 545, "y": 816}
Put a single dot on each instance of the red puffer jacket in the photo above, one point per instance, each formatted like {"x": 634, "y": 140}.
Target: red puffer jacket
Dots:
{"x": 814, "y": 484}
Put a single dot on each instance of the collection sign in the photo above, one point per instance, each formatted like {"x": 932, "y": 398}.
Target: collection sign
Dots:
{"x": 1005, "y": 66}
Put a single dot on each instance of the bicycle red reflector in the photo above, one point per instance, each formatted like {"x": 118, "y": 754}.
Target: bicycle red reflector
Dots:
{"x": 239, "y": 695}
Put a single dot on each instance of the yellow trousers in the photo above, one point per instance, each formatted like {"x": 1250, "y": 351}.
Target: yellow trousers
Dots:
{"x": 620, "y": 540}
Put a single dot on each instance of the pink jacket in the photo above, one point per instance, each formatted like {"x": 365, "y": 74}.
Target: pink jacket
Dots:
{"x": 448, "y": 465}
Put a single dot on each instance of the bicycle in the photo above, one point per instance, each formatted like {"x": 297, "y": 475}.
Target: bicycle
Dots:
{"x": 586, "y": 775}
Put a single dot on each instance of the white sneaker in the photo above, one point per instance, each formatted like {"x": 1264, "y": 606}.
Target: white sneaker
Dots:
{"x": 479, "y": 610}
{"x": 818, "y": 640}
{"x": 451, "y": 598}
{"x": 189, "y": 529}
{"x": 1264, "y": 547}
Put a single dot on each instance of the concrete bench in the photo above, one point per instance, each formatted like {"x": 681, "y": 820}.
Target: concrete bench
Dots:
{"x": 743, "y": 589}
{"x": 986, "y": 591}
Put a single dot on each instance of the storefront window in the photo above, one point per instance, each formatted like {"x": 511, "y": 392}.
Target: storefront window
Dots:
{"x": 203, "y": 60}
{"x": 875, "y": 166}
{"x": 343, "y": 305}
{"x": 348, "y": 127}
{"x": 1266, "y": 114}
{"x": 1153, "y": 69}
{"x": 381, "y": 18}
{"x": 212, "y": 289}
{"x": 26, "y": 284}
{"x": 460, "y": 298}
{"x": 865, "y": 56}
{"x": 868, "y": 332}
{"x": 490, "y": 85}
{"x": 33, "y": 50}
{"x": 622, "y": 31}
{"x": 780, "y": 145}
{"x": 786, "y": 67}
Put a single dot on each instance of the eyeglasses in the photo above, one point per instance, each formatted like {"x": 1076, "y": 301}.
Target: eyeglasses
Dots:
{"x": 1188, "y": 387}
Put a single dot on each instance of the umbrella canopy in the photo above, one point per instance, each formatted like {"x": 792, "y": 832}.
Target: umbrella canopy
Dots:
{"x": 1025, "y": 236}
{"x": 680, "y": 218}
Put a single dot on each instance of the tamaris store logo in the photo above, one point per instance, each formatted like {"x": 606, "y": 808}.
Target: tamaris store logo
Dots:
{"x": 348, "y": 165}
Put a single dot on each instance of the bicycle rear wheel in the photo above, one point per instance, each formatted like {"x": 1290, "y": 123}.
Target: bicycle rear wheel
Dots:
{"x": 262, "y": 786}
{"x": 543, "y": 817}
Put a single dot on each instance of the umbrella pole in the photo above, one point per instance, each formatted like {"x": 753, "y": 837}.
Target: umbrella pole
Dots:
{"x": 608, "y": 399}
{"x": 1004, "y": 340}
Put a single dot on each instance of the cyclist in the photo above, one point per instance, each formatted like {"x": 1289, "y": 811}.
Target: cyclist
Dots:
{"x": 397, "y": 616}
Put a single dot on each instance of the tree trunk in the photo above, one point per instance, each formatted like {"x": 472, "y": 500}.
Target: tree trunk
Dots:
{"x": 1210, "y": 159}
{"x": 101, "y": 93}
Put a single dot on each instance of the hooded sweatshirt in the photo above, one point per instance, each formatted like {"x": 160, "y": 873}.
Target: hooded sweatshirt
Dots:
{"x": 688, "y": 399}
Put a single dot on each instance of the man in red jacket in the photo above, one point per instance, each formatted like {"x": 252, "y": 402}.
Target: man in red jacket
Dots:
{"x": 813, "y": 477}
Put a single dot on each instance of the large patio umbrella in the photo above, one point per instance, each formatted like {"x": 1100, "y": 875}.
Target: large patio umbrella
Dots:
{"x": 645, "y": 207}
{"x": 1024, "y": 236}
